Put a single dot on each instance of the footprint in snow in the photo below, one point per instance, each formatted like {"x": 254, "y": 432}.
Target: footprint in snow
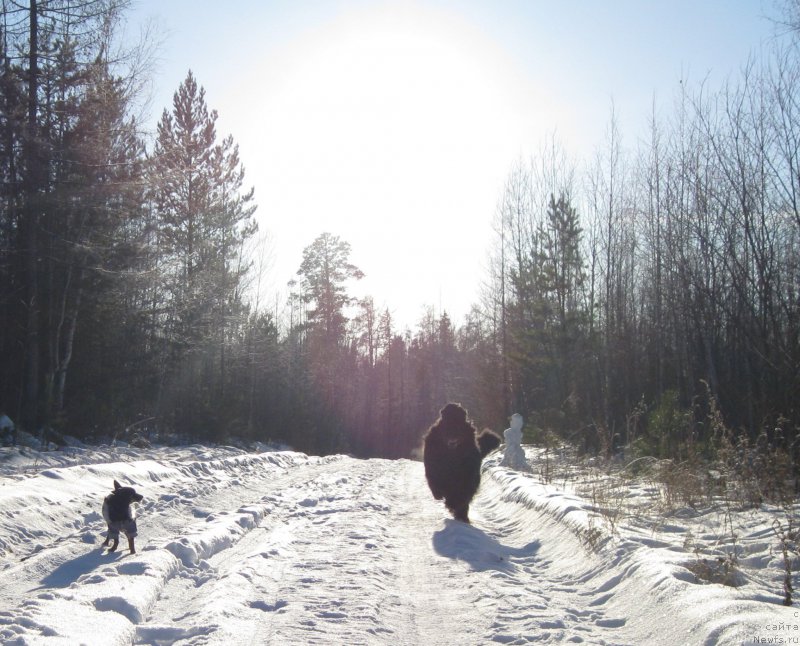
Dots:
{"x": 610, "y": 623}
{"x": 268, "y": 607}
{"x": 132, "y": 568}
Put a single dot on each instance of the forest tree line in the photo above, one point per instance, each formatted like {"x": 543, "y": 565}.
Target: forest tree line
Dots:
{"x": 628, "y": 295}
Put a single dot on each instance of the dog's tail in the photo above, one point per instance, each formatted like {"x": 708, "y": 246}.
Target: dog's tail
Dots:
{"x": 488, "y": 442}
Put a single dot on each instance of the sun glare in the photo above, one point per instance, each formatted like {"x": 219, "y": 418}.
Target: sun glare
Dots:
{"x": 377, "y": 127}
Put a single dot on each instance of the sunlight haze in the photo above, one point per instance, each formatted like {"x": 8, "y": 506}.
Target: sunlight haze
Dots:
{"x": 383, "y": 127}
{"x": 394, "y": 125}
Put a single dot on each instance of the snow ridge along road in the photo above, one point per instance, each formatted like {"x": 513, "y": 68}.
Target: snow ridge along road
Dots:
{"x": 283, "y": 548}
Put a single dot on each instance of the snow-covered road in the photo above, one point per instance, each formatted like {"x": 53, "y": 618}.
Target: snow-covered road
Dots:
{"x": 283, "y": 548}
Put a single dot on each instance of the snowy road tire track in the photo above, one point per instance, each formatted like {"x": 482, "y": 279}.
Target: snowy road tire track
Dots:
{"x": 283, "y": 548}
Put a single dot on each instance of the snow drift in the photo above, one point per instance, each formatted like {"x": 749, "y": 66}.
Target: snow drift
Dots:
{"x": 280, "y": 547}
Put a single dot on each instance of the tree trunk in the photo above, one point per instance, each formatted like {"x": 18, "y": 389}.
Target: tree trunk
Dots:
{"x": 70, "y": 324}
{"x": 31, "y": 387}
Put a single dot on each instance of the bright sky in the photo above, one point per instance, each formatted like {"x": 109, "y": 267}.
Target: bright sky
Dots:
{"x": 394, "y": 125}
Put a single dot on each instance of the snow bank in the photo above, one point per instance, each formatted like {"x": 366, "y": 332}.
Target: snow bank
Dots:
{"x": 657, "y": 574}
{"x": 281, "y": 547}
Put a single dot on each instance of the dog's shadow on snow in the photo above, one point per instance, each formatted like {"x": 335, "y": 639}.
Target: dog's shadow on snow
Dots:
{"x": 477, "y": 549}
{"x": 70, "y": 571}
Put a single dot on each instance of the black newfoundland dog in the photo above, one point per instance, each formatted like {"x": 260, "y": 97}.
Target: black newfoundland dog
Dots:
{"x": 453, "y": 452}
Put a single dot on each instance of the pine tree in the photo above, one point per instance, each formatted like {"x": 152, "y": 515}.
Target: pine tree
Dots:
{"x": 203, "y": 219}
{"x": 57, "y": 221}
{"x": 325, "y": 271}
{"x": 562, "y": 262}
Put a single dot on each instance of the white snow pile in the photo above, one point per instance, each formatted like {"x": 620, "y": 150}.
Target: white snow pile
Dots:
{"x": 284, "y": 548}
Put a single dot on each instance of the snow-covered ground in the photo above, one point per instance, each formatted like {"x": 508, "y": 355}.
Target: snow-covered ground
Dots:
{"x": 283, "y": 548}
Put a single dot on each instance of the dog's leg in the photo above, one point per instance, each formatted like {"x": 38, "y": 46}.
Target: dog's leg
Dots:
{"x": 458, "y": 508}
{"x": 461, "y": 513}
{"x": 438, "y": 494}
{"x": 130, "y": 545}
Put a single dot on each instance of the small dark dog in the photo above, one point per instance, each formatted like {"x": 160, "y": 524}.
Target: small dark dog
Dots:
{"x": 453, "y": 452}
{"x": 119, "y": 515}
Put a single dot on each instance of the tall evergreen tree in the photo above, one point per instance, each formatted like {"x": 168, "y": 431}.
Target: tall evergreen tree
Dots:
{"x": 57, "y": 183}
{"x": 325, "y": 271}
{"x": 202, "y": 219}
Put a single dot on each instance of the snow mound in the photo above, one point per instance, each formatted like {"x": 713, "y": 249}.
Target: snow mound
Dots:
{"x": 280, "y": 547}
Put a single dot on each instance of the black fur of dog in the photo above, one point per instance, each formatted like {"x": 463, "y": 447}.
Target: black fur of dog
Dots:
{"x": 453, "y": 451}
{"x": 119, "y": 516}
